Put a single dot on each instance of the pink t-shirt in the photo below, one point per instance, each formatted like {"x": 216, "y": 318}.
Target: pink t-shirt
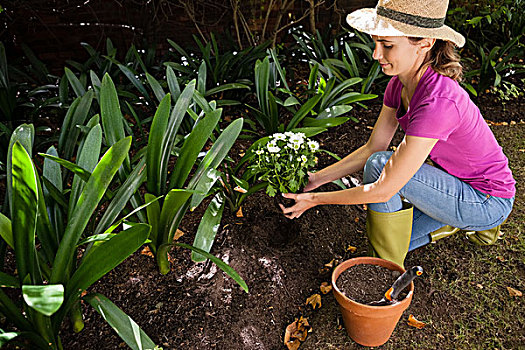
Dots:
{"x": 441, "y": 109}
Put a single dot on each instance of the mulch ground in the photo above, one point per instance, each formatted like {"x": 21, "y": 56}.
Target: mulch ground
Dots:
{"x": 197, "y": 306}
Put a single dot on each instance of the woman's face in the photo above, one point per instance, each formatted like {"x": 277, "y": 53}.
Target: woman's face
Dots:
{"x": 397, "y": 55}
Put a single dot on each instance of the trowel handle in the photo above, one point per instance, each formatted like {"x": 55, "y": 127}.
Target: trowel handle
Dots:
{"x": 403, "y": 281}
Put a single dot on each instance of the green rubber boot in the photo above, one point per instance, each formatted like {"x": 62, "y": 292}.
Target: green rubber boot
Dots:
{"x": 389, "y": 233}
{"x": 485, "y": 237}
{"x": 443, "y": 232}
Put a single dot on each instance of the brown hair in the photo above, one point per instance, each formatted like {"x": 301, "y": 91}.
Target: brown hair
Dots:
{"x": 443, "y": 58}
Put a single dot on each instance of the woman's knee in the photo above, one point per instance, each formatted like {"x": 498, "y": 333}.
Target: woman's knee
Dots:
{"x": 374, "y": 166}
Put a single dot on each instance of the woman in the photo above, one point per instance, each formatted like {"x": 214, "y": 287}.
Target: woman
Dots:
{"x": 470, "y": 187}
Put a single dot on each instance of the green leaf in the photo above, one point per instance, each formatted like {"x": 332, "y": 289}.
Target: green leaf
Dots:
{"x": 121, "y": 198}
{"x": 70, "y": 132}
{"x": 173, "y": 83}
{"x": 218, "y": 151}
{"x": 303, "y": 111}
{"x": 24, "y": 213}
{"x": 8, "y": 281}
{"x": 291, "y": 101}
{"x": 174, "y": 201}
{"x": 97, "y": 238}
{"x": 125, "y": 327}
{"x": 155, "y": 86}
{"x": 45, "y": 299}
{"x": 203, "y": 187}
{"x": 87, "y": 159}
{"x": 145, "y": 205}
{"x": 192, "y": 146}
{"x": 82, "y": 173}
{"x": 262, "y": 77}
{"x": 5, "y": 337}
{"x": 324, "y": 123}
{"x": 134, "y": 80}
{"x": 110, "y": 113}
{"x": 86, "y": 205}
{"x": 153, "y": 215}
{"x": 24, "y": 134}
{"x": 225, "y": 87}
{"x": 334, "y": 111}
{"x": 77, "y": 86}
{"x": 156, "y": 142}
{"x": 208, "y": 227}
{"x": 5, "y": 230}
{"x": 201, "y": 78}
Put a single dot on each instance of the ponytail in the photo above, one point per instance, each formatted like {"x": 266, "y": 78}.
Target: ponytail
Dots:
{"x": 443, "y": 58}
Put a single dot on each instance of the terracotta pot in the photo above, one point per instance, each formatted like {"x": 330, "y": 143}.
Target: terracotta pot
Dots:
{"x": 365, "y": 324}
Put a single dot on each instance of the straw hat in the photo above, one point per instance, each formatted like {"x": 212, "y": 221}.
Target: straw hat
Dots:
{"x": 415, "y": 18}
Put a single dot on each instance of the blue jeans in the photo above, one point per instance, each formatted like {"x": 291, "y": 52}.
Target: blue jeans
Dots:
{"x": 439, "y": 199}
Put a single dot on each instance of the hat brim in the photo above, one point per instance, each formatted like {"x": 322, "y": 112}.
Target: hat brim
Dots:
{"x": 368, "y": 21}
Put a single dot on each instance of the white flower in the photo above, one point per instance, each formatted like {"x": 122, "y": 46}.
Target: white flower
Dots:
{"x": 294, "y": 146}
{"x": 259, "y": 152}
{"x": 314, "y": 146}
{"x": 272, "y": 147}
{"x": 296, "y": 139}
{"x": 289, "y": 133}
{"x": 303, "y": 158}
{"x": 279, "y": 136}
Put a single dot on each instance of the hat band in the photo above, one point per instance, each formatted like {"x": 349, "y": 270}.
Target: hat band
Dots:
{"x": 413, "y": 20}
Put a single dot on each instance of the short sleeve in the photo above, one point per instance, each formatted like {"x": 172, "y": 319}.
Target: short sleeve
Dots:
{"x": 435, "y": 118}
{"x": 393, "y": 93}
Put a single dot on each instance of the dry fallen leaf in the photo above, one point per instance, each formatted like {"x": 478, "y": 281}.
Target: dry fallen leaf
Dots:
{"x": 239, "y": 189}
{"x": 325, "y": 287}
{"x": 331, "y": 263}
{"x": 514, "y": 292}
{"x": 356, "y": 219}
{"x": 314, "y": 300}
{"x": 351, "y": 249}
{"x": 295, "y": 333}
{"x": 178, "y": 234}
{"x": 413, "y": 322}
{"x": 239, "y": 213}
{"x": 500, "y": 258}
{"x": 146, "y": 251}
{"x": 479, "y": 285}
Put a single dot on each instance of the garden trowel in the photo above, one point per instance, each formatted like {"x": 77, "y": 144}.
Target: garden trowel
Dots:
{"x": 402, "y": 281}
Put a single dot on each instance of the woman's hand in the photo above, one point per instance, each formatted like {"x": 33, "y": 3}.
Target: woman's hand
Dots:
{"x": 303, "y": 202}
{"x": 313, "y": 182}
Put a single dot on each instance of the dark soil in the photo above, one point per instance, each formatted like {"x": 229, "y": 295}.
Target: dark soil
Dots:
{"x": 366, "y": 283}
{"x": 197, "y": 306}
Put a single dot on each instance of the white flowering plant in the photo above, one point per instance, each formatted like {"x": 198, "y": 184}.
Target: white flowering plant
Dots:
{"x": 283, "y": 162}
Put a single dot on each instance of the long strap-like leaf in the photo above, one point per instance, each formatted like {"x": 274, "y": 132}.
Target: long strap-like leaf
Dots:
{"x": 24, "y": 134}
{"x": 155, "y": 146}
{"x": 126, "y": 190}
{"x": 24, "y": 215}
{"x": 88, "y": 201}
{"x": 208, "y": 227}
{"x": 87, "y": 159}
{"x": 191, "y": 148}
{"x": 112, "y": 121}
{"x": 125, "y": 327}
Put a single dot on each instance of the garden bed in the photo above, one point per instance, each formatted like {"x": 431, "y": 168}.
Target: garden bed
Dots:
{"x": 462, "y": 296}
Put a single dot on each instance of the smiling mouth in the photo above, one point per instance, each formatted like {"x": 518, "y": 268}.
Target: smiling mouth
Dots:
{"x": 384, "y": 64}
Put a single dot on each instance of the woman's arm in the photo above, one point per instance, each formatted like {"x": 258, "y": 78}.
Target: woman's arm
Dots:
{"x": 404, "y": 163}
{"x": 384, "y": 129}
